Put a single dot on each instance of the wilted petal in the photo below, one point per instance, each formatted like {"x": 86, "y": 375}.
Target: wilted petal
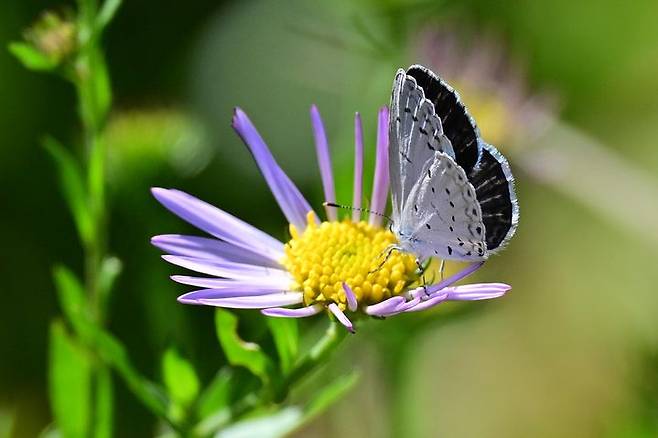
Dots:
{"x": 481, "y": 291}
{"x": 385, "y": 307}
{"x": 234, "y": 292}
{"x": 218, "y": 223}
{"x": 208, "y": 248}
{"x": 226, "y": 269}
{"x": 352, "y": 303}
{"x": 380, "y": 183}
{"x": 435, "y": 299}
{"x": 268, "y": 283}
{"x": 340, "y": 316}
{"x": 358, "y": 168}
{"x": 324, "y": 161}
{"x": 293, "y": 205}
{"x": 256, "y": 302}
{"x": 300, "y": 312}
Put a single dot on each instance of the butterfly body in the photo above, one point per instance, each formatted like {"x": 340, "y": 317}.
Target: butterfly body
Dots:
{"x": 453, "y": 194}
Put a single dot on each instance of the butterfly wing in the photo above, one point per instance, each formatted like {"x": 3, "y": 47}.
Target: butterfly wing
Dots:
{"x": 458, "y": 125}
{"x": 442, "y": 217}
{"x": 415, "y": 134}
{"x": 494, "y": 189}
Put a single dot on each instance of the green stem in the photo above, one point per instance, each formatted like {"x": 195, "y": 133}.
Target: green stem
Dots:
{"x": 316, "y": 356}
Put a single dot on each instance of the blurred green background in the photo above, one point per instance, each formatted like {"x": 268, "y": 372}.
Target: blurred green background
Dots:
{"x": 571, "y": 351}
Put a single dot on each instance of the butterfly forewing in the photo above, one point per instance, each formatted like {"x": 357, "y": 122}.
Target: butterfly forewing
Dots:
{"x": 458, "y": 125}
{"x": 416, "y": 134}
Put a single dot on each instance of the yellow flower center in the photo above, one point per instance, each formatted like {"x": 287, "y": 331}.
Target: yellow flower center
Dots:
{"x": 324, "y": 256}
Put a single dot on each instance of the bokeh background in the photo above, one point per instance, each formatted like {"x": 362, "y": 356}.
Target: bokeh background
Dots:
{"x": 567, "y": 90}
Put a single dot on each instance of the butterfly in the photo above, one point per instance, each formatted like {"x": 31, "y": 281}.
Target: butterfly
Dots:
{"x": 453, "y": 194}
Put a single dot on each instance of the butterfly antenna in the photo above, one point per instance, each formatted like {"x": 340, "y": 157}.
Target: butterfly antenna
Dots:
{"x": 349, "y": 207}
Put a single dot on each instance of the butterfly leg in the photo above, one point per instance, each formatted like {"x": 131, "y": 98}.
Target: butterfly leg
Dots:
{"x": 389, "y": 251}
{"x": 422, "y": 270}
{"x": 442, "y": 268}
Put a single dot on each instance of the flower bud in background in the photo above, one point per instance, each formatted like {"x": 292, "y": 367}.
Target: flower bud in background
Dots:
{"x": 490, "y": 83}
{"x": 142, "y": 142}
{"x": 53, "y": 35}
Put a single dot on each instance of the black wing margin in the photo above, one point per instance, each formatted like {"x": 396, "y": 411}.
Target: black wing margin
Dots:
{"x": 495, "y": 192}
{"x": 458, "y": 125}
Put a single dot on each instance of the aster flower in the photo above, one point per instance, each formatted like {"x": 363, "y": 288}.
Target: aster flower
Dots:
{"x": 338, "y": 266}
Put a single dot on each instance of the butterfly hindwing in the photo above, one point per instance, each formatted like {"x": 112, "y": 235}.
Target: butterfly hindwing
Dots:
{"x": 442, "y": 217}
{"x": 494, "y": 187}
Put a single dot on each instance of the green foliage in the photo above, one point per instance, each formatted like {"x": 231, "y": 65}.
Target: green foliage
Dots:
{"x": 71, "y": 295}
{"x": 106, "y": 14}
{"x": 239, "y": 352}
{"x": 286, "y": 339}
{"x": 70, "y": 383}
{"x": 73, "y": 187}
{"x": 217, "y": 394}
{"x": 179, "y": 377}
{"x": 330, "y": 394}
{"x": 31, "y": 57}
{"x": 104, "y": 403}
{"x": 277, "y": 424}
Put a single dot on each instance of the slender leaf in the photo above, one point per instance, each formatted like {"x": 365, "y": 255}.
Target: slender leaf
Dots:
{"x": 71, "y": 295}
{"x": 106, "y": 14}
{"x": 104, "y": 405}
{"x": 179, "y": 377}
{"x": 72, "y": 186}
{"x": 329, "y": 395}
{"x": 286, "y": 339}
{"x": 275, "y": 425}
{"x": 70, "y": 383}
{"x": 110, "y": 269}
{"x": 239, "y": 352}
{"x": 31, "y": 57}
{"x": 217, "y": 394}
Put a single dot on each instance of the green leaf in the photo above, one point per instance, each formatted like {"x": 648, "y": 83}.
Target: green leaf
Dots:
{"x": 217, "y": 394}
{"x": 109, "y": 271}
{"x": 286, "y": 339}
{"x": 329, "y": 395}
{"x": 72, "y": 186}
{"x": 239, "y": 352}
{"x": 104, "y": 404}
{"x": 69, "y": 382}
{"x": 31, "y": 57}
{"x": 179, "y": 377}
{"x": 71, "y": 295}
{"x": 106, "y": 13}
{"x": 276, "y": 425}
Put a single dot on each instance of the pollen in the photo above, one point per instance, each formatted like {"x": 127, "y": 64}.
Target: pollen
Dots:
{"x": 325, "y": 256}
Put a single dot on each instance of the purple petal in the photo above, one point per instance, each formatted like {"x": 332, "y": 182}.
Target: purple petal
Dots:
{"x": 358, "y": 168}
{"x": 226, "y": 269}
{"x": 324, "y": 161}
{"x": 290, "y": 200}
{"x": 380, "y": 183}
{"x": 301, "y": 312}
{"x": 454, "y": 278}
{"x": 352, "y": 303}
{"x": 430, "y": 302}
{"x": 482, "y": 291}
{"x": 219, "y": 223}
{"x": 384, "y": 307}
{"x": 234, "y": 292}
{"x": 256, "y": 302}
{"x": 340, "y": 316}
{"x": 206, "y": 248}
{"x": 269, "y": 283}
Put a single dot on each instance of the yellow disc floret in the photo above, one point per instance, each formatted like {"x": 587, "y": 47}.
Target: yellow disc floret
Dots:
{"x": 325, "y": 256}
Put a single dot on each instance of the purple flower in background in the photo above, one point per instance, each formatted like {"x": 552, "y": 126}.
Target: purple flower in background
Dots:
{"x": 340, "y": 266}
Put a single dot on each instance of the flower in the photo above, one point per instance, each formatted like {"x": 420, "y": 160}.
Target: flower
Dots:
{"x": 495, "y": 88}
{"x": 341, "y": 266}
